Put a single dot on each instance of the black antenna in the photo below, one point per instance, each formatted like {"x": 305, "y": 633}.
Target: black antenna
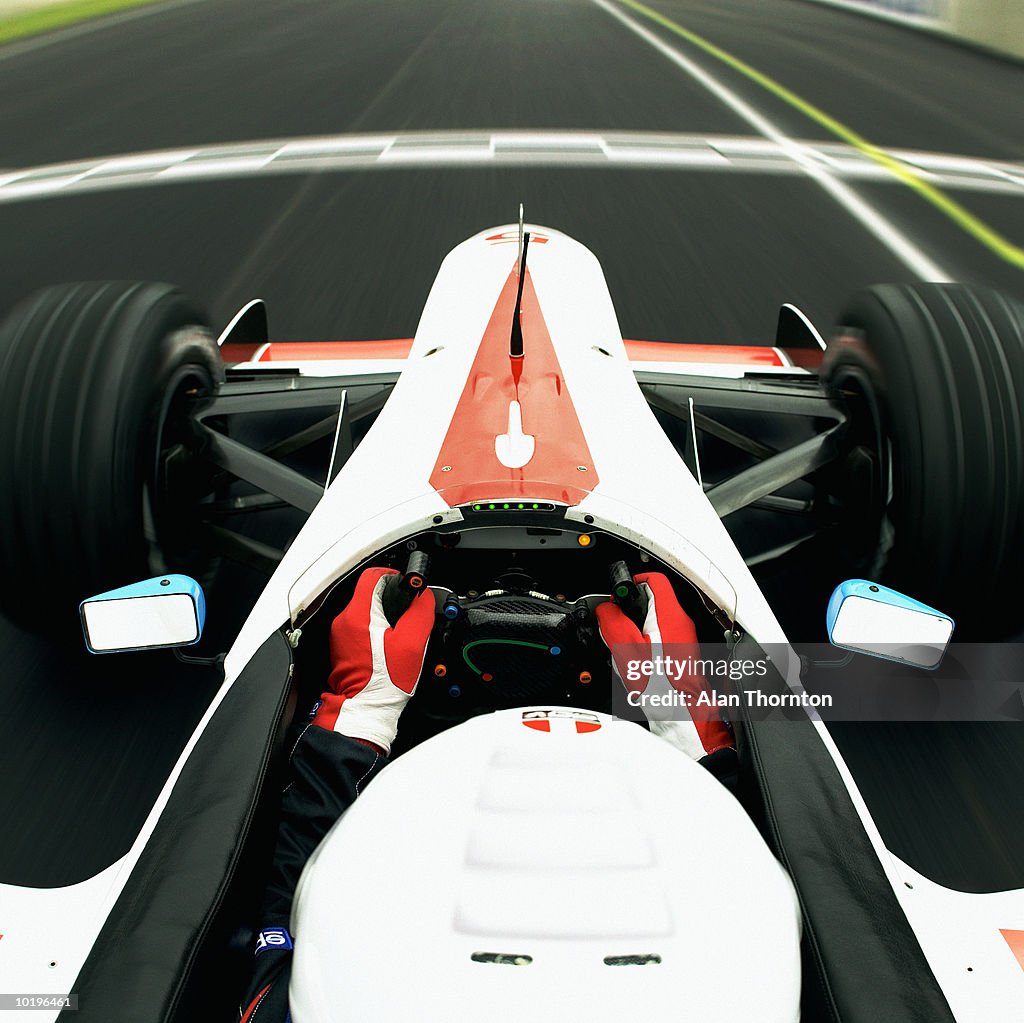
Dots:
{"x": 515, "y": 345}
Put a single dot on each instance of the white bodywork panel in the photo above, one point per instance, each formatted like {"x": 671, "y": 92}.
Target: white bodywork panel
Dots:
{"x": 565, "y": 847}
{"x": 960, "y": 933}
{"x": 47, "y": 933}
{"x": 384, "y": 492}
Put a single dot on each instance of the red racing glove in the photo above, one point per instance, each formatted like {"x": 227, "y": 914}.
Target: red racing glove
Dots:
{"x": 666, "y": 624}
{"x": 374, "y": 667}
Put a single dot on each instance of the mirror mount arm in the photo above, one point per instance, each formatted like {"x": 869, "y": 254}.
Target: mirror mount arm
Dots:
{"x": 806, "y": 663}
{"x": 206, "y": 662}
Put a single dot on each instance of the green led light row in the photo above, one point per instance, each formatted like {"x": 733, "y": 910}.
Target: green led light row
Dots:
{"x": 504, "y": 507}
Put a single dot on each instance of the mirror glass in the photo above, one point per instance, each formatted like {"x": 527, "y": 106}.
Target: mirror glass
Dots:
{"x": 872, "y": 619}
{"x": 163, "y": 612}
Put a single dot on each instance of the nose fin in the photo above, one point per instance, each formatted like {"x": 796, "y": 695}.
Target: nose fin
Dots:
{"x": 515, "y": 448}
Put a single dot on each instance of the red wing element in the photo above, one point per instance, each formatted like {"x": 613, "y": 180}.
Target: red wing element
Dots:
{"x": 318, "y": 351}
{"x": 728, "y": 355}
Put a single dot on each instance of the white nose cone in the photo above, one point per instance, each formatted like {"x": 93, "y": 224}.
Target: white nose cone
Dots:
{"x": 515, "y": 448}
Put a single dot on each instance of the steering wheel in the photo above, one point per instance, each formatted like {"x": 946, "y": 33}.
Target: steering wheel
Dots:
{"x": 511, "y": 646}
{"x": 505, "y": 648}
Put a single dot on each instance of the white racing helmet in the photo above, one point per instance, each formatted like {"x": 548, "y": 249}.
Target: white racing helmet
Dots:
{"x": 545, "y": 864}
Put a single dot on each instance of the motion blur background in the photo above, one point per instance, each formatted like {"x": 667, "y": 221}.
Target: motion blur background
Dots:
{"x": 718, "y": 156}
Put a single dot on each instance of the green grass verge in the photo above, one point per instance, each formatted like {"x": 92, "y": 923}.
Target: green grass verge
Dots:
{"x": 44, "y": 19}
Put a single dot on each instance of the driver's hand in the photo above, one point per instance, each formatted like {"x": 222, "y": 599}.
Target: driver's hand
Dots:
{"x": 374, "y": 667}
{"x": 666, "y": 624}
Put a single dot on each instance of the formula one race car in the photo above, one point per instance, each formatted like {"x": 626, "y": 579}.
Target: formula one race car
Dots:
{"x": 523, "y": 460}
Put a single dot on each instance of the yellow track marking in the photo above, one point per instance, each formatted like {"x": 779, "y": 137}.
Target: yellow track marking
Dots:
{"x": 962, "y": 217}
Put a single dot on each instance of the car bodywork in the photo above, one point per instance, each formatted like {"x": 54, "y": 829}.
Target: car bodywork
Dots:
{"x": 464, "y": 428}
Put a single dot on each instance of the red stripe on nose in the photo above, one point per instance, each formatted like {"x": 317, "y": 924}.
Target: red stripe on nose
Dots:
{"x": 473, "y": 471}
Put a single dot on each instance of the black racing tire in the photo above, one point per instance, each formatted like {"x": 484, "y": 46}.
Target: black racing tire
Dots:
{"x": 940, "y": 370}
{"x": 88, "y": 375}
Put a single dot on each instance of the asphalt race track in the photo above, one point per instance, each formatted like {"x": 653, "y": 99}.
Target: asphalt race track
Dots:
{"x": 692, "y": 251}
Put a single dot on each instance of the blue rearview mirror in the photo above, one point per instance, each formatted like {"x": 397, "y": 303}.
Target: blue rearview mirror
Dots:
{"x": 166, "y": 611}
{"x": 869, "y": 618}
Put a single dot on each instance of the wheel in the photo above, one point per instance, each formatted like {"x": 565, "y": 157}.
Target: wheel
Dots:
{"x": 932, "y": 375}
{"x": 91, "y": 375}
